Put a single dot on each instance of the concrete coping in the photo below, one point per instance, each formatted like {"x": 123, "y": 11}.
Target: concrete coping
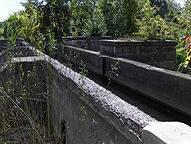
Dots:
{"x": 86, "y": 37}
{"x": 153, "y": 68}
{"x": 166, "y": 133}
{"x": 139, "y": 42}
{"x": 130, "y": 116}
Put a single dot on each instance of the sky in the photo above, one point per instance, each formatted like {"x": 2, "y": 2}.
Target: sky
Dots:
{"x": 8, "y": 7}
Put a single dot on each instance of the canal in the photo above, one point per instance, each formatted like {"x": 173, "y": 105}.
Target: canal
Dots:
{"x": 150, "y": 106}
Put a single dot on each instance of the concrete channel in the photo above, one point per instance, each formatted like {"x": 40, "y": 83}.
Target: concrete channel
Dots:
{"x": 110, "y": 118}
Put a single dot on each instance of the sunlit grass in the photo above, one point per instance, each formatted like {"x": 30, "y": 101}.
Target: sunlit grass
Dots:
{"x": 132, "y": 37}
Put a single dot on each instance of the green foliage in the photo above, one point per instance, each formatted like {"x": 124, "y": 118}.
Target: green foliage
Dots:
{"x": 55, "y": 15}
{"x": 180, "y": 54}
{"x": 81, "y": 11}
{"x": 83, "y": 113}
{"x": 152, "y": 26}
{"x": 12, "y": 25}
{"x": 108, "y": 9}
{"x": 174, "y": 11}
{"x": 126, "y": 16}
{"x": 114, "y": 68}
{"x": 162, "y": 5}
{"x": 120, "y": 16}
{"x": 1, "y": 28}
{"x": 183, "y": 54}
{"x": 187, "y": 12}
{"x": 95, "y": 26}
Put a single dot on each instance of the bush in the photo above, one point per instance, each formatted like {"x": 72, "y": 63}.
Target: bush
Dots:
{"x": 95, "y": 26}
{"x": 183, "y": 54}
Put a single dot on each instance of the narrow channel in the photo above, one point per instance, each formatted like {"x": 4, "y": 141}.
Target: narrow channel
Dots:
{"x": 151, "y": 107}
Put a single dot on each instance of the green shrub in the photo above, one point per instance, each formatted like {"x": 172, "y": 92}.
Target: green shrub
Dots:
{"x": 152, "y": 26}
{"x": 95, "y": 26}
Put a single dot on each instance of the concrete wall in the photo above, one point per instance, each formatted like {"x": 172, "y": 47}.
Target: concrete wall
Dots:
{"x": 90, "y": 43}
{"x": 158, "y": 53}
{"x": 4, "y": 43}
{"x": 105, "y": 118}
{"x": 168, "y": 87}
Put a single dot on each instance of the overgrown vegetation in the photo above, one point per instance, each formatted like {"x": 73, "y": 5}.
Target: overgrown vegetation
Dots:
{"x": 149, "y": 19}
{"x": 43, "y": 24}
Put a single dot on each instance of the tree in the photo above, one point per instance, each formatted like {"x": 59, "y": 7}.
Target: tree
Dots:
{"x": 55, "y": 15}
{"x": 81, "y": 11}
{"x": 120, "y": 15}
{"x": 108, "y": 8}
{"x": 187, "y": 12}
{"x": 162, "y": 5}
{"x": 12, "y": 25}
{"x": 126, "y": 16}
{"x": 152, "y": 26}
{"x": 95, "y": 26}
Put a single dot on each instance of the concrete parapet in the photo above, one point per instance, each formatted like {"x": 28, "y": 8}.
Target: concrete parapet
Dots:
{"x": 168, "y": 87}
{"x": 147, "y": 51}
{"x": 90, "y": 43}
{"x": 109, "y": 119}
{"x": 166, "y": 133}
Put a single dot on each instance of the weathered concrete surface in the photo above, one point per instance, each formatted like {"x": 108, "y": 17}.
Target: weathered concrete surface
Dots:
{"x": 109, "y": 119}
{"x": 166, "y": 133}
{"x": 168, "y": 87}
{"x": 92, "y": 114}
{"x": 77, "y": 56}
{"x": 89, "y": 43}
{"x": 160, "y": 53}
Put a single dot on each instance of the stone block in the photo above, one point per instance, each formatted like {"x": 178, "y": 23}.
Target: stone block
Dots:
{"x": 154, "y": 42}
{"x": 167, "y": 49}
{"x": 129, "y": 49}
{"x": 148, "y": 49}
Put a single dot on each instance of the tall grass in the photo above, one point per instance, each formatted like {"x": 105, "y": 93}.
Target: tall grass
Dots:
{"x": 25, "y": 88}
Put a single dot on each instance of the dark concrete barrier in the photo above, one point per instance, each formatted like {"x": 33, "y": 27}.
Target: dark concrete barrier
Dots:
{"x": 90, "y": 43}
{"x": 168, "y": 87}
{"x": 160, "y": 53}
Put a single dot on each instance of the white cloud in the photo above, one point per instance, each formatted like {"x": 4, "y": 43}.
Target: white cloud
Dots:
{"x": 7, "y": 7}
